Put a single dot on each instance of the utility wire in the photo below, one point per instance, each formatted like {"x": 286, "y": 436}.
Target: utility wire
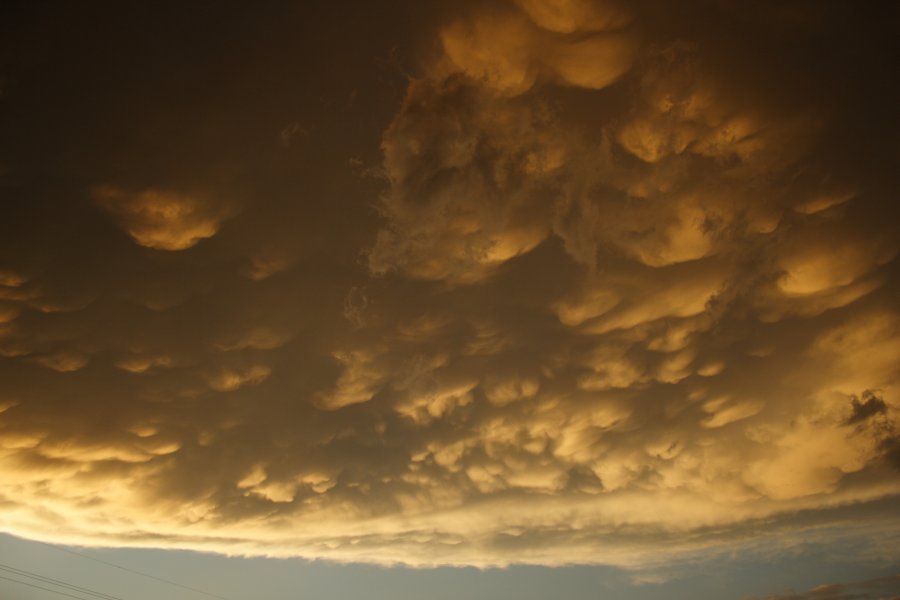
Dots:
{"x": 37, "y": 587}
{"x": 176, "y": 584}
{"x": 56, "y": 582}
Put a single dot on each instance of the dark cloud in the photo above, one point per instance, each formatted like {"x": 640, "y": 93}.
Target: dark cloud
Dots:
{"x": 263, "y": 291}
{"x": 872, "y": 404}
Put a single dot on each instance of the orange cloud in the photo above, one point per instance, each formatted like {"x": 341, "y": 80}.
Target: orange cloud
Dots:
{"x": 161, "y": 220}
{"x": 612, "y": 262}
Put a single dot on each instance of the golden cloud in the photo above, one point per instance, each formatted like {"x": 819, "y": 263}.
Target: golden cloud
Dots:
{"x": 613, "y": 308}
{"x": 159, "y": 219}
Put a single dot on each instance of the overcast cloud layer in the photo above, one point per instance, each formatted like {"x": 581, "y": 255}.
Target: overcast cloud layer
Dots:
{"x": 554, "y": 281}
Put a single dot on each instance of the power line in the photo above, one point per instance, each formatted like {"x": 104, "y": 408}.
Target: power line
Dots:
{"x": 175, "y": 583}
{"x": 56, "y": 582}
{"x": 37, "y": 587}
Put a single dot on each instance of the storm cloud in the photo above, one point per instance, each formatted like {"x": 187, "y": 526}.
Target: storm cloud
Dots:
{"x": 569, "y": 281}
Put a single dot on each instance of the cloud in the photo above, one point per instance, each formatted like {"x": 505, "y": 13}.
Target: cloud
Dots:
{"x": 226, "y": 380}
{"x": 63, "y": 362}
{"x": 570, "y": 16}
{"x": 467, "y": 181}
{"x": 471, "y": 169}
{"x": 160, "y": 219}
{"x": 11, "y": 279}
{"x": 869, "y": 589}
{"x": 509, "y": 53}
{"x": 268, "y": 261}
{"x": 624, "y": 293}
{"x": 359, "y": 381}
{"x": 871, "y": 406}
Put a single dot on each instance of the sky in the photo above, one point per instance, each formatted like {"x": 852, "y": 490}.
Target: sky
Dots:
{"x": 496, "y": 298}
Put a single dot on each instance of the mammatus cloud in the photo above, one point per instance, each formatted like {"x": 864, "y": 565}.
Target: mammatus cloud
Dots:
{"x": 629, "y": 296}
{"x": 159, "y": 219}
{"x": 509, "y": 52}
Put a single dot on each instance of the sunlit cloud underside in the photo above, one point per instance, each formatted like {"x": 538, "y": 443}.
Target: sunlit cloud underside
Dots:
{"x": 627, "y": 295}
